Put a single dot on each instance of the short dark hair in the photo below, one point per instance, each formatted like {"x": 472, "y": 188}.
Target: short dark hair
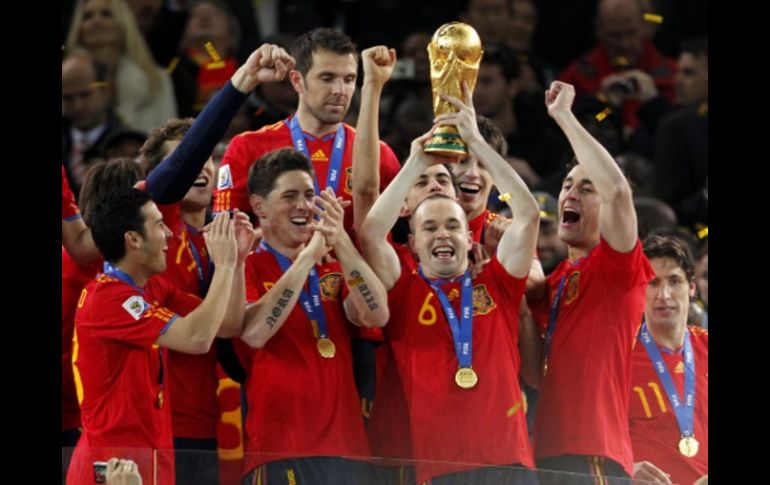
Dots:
{"x": 154, "y": 151}
{"x": 492, "y": 134}
{"x": 656, "y": 246}
{"x": 102, "y": 177}
{"x": 697, "y": 46}
{"x": 431, "y": 197}
{"x": 320, "y": 39}
{"x": 116, "y": 213}
{"x": 266, "y": 170}
{"x": 503, "y": 56}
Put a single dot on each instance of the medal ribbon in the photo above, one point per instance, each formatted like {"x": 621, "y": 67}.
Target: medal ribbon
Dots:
{"x": 683, "y": 411}
{"x": 310, "y": 304}
{"x": 203, "y": 283}
{"x": 462, "y": 330}
{"x": 335, "y": 162}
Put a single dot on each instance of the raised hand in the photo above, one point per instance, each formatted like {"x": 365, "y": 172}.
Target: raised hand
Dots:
{"x": 330, "y": 210}
{"x": 245, "y": 234}
{"x": 378, "y": 62}
{"x": 220, "y": 240}
{"x": 559, "y": 98}
{"x": 268, "y": 64}
{"x": 465, "y": 117}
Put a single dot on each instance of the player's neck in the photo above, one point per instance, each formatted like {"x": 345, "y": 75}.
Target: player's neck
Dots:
{"x": 668, "y": 336}
{"x": 275, "y": 243}
{"x": 580, "y": 250}
{"x": 194, "y": 218}
{"x": 435, "y": 276}
{"x": 310, "y": 124}
{"x": 134, "y": 270}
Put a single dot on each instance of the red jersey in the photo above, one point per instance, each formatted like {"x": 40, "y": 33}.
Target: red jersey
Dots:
{"x": 192, "y": 379}
{"x": 69, "y": 208}
{"x": 478, "y": 225}
{"x": 73, "y": 278}
{"x": 654, "y": 431}
{"x": 232, "y": 192}
{"x": 450, "y": 424}
{"x": 583, "y": 405}
{"x": 301, "y": 404}
{"x": 586, "y": 75}
{"x": 124, "y": 406}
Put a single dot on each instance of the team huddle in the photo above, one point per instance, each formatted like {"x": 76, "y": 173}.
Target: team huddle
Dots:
{"x": 298, "y": 263}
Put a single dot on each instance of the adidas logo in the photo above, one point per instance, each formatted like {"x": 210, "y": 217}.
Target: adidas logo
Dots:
{"x": 319, "y": 156}
{"x": 679, "y": 368}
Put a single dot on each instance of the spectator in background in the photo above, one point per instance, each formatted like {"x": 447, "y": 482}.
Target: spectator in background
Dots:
{"x": 490, "y": 18}
{"x": 162, "y": 24}
{"x": 534, "y": 148}
{"x": 681, "y": 140}
{"x": 199, "y": 73}
{"x": 88, "y": 120}
{"x": 143, "y": 94}
{"x": 623, "y": 44}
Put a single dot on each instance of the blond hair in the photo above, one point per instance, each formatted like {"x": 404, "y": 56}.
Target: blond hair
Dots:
{"x": 133, "y": 44}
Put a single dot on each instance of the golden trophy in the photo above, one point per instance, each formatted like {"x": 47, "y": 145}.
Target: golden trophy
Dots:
{"x": 455, "y": 54}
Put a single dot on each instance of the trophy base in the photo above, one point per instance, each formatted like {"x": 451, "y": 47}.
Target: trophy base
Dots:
{"x": 446, "y": 142}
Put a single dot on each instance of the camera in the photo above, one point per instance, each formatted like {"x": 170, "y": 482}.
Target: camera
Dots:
{"x": 625, "y": 86}
{"x": 100, "y": 472}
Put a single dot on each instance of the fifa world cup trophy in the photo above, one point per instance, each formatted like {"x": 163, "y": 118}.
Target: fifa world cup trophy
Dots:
{"x": 455, "y": 54}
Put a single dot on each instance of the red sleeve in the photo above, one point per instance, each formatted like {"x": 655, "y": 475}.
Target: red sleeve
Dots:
{"x": 69, "y": 209}
{"x": 178, "y": 301}
{"x": 510, "y": 286}
{"x": 633, "y": 263}
{"x": 253, "y": 282}
{"x": 389, "y": 165}
{"x": 231, "y": 190}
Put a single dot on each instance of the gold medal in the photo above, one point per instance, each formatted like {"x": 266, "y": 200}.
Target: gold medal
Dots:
{"x": 326, "y": 348}
{"x": 466, "y": 377}
{"x": 159, "y": 402}
{"x": 688, "y": 446}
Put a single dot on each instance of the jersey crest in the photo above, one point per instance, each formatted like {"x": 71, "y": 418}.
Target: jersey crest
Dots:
{"x": 572, "y": 287}
{"x": 349, "y": 180}
{"x": 482, "y": 300}
{"x": 330, "y": 286}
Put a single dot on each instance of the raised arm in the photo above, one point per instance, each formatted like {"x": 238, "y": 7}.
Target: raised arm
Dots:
{"x": 232, "y": 326}
{"x": 617, "y": 217}
{"x": 367, "y": 302}
{"x": 375, "y": 247}
{"x": 171, "y": 180}
{"x": 265, "y": 317}
{"x": 517, "y": 246}
{"x": 194, "y": 333}
{"x": 378, "y": 65}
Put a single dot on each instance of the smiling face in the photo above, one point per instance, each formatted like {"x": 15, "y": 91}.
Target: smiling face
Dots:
{"x": 440, "y": 238}
{"x": 435, "y": 179}
{"x": 579, "y": 205}
{"x": 474, "y": 183}
{"x": 199, "y": 195}
{"x": 668, "y": 295}
{"x": 286, "y": 213}
{"x": 327, "y": 88}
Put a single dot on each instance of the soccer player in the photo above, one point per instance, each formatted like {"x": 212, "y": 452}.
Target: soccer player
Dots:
{"x": 595, "y": 299}
{"x": 125, "y": 320}
{"x": 455, "y": 338}
{"x": 668, "y": 416}
{"x": 303, "y": 407}
{"x": 325, "y": 78}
